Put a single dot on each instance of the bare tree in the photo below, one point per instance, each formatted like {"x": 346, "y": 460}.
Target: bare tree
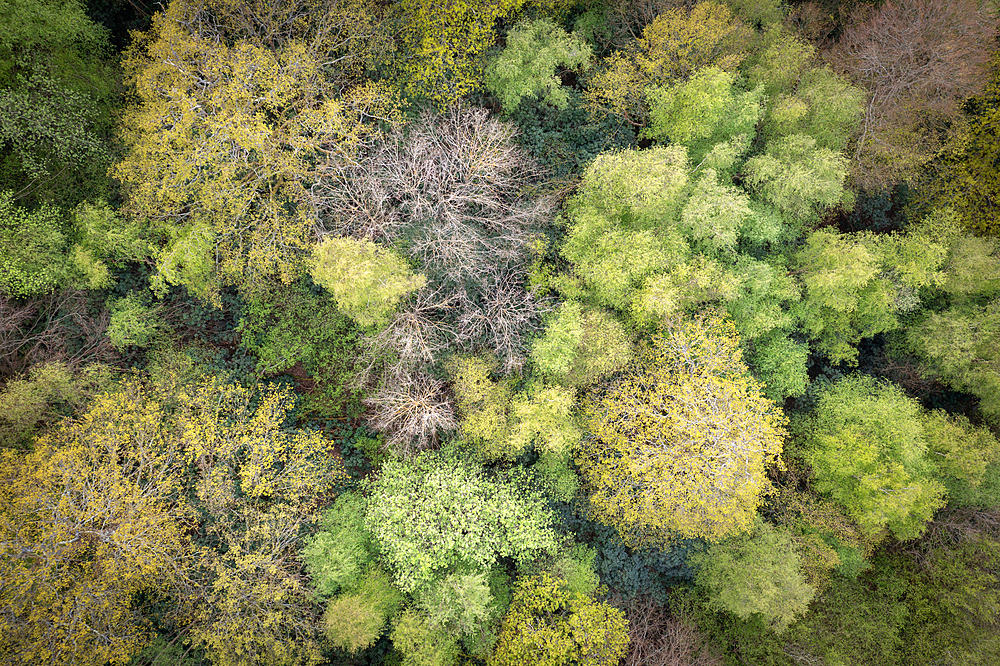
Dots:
{"x": 414, "y": 410}
{"x": 458, "y": 196}
{"x": 660, "y": 639}
{"x": 918, "y": 59}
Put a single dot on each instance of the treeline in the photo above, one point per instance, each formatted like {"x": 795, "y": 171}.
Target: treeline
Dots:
{"x": 499, "y": 332}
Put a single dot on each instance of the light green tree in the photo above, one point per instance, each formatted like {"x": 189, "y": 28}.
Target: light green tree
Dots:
{"x": 367, "y": 281}
{"x": 526, "y": 68}
{"x": 434, "y": 512}
{"x": 757, "y": 573}
{"x": 867, "y": 447}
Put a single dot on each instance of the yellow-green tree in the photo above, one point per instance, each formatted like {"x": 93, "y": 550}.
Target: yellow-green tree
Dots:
{"x": 550, "y": 625}
{"x": 225, "y": 138}
{"x": 679, "y": 446}
{"x": 671, "y": 48}
{"x": 88, "y": 519}
{"x": 444, "y": 44}
{"x": 104, "y": 506}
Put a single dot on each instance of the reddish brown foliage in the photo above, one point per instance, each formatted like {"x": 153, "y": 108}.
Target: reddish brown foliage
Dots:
{"x": 918, "y": 59}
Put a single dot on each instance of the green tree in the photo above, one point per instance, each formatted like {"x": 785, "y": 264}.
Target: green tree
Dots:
{"x": 367, "y": 281}
{"x": 755, "y": 573}
{"x": 549, "y": 625}
{"x": 436, "y": 512}
{"x": 703, "y": 111}
{"x": 867, "y": 447}
{"x": 680, "y": 444}
{"x": 357, "y": 618}
{"x": 526, "y": 68}
{"x": 798, "y": 177}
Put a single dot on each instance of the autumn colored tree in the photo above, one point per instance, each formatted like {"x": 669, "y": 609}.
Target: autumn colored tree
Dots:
{"x": 680, "y": 444}
{"x": 552, "y": 626}
{"x": 104, "y": 507}
{"x": 918, "y": 60}
{"x": 221, "y": 184}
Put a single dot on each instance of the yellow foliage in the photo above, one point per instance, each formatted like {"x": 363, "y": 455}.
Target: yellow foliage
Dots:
{"x": 87, "y": 519}
{"x": 222, "y": 141}
{"x": 672, "y": 47}
{"x": 445, "y": 43}
{"x": 680, "y": 445}
{"x": 98, "y": 512}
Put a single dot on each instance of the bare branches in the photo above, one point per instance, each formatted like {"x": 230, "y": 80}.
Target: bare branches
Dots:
{"x": 414, "y": 410}
{"x": 57, "y": 327}
{"x": 660, "y": 639}
{"x": 458, "y": 196}
{"x": 918, "y": 59}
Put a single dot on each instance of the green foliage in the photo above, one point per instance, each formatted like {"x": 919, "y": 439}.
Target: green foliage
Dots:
{"x": 549, "y": 625}
{"x": 781, "y": 365}
{"x": 867, "y": 447}
{"x": 434, "y": 512}
{"x": 367, "y": 281}
{"x": 680, "y": 444}
{"x": 544, "y": 418}
{"x": 420, "y": 644}
{"x": 462, "y": 605}
{"x": 32, "y": 249}
{"x": 962, "y": 346}
{"x": 527, "y": 65}
{"x": 49, "y": 391}
{"x": 295, "y": 324}
{"x": 132, "y": 322}
{"x": 356, "y": 619}
{"x": 959, "y": 449}
{"x": 856, "y": 285}
{"x": 673, "y": 46}
{"x": 580, "y": 346}
{"x": 339, "y": 554}
{"x": 618, "y": 234}
{"x": 483, "y": 404}
{"x": 799, "y": 177}
{"x": 756, "y": 573}
{"x": 703, "y": 111}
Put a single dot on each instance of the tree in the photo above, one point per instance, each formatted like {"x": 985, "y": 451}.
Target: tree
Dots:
{"x": 444, "y": 44}
{"x": 107, "y": 507}
{"x": 435, "y": 512}
{"x": 90, "y": 517}
{"x": 867, "y": 447}
{"x": 799, "y": 178}
{"x": 550, "y": 626}
{"x": 226, "y": 139}
{"x": 527, "y": 66}
{"x": 672, "y": 47}
{"x": 679, "y": 446}
{"x": 366, "y": 281}
{"x": 580, "y": 346}
{"x": 703, "y": 111}
{"x": 756, "y": 573}
{"x": 918, "y": 60}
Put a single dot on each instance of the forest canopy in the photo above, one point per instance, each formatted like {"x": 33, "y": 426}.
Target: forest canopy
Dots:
{"x": 560, "y": 332}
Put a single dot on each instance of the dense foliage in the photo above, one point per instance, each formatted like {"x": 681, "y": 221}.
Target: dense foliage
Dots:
{"x": 642, "y": 332}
